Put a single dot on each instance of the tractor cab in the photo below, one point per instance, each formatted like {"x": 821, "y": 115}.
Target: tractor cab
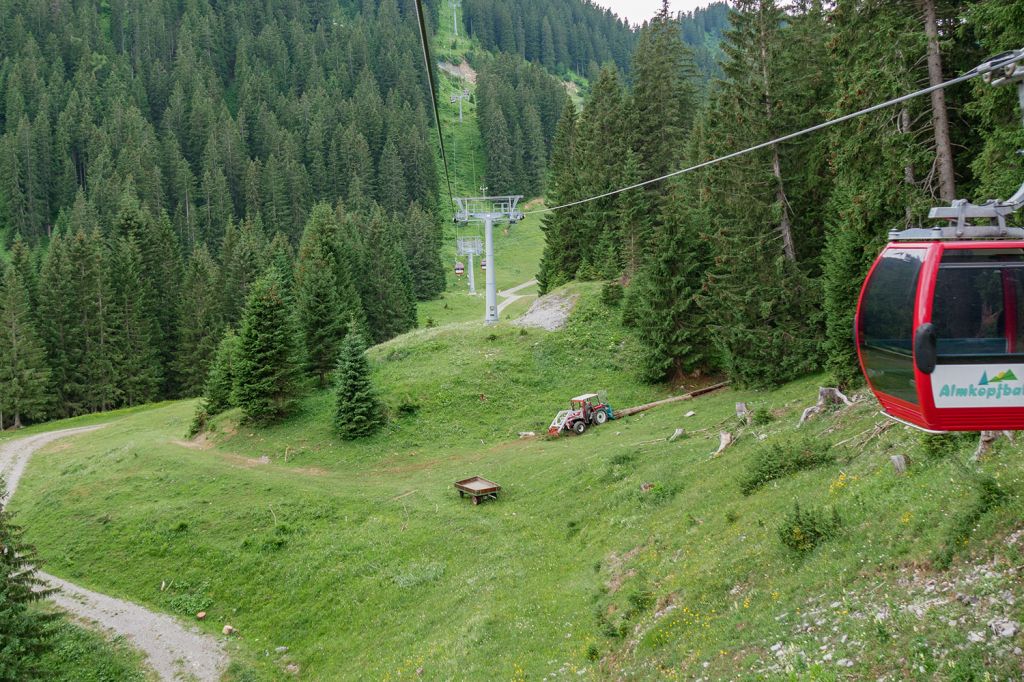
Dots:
{"x": 589, "y": 409}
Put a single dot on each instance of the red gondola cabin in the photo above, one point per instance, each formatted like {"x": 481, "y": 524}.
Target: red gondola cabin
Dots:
{"x": 940, "y": 334}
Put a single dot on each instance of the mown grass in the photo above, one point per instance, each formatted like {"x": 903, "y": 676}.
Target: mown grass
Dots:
{"x": 616, "y": 553}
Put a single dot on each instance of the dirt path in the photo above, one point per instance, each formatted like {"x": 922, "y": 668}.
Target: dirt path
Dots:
{"x": 172, "y": 649}
{"x": 511, "y": 296}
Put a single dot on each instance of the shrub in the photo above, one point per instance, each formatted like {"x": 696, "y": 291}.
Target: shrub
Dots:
{"x": 804, "y": 529}
{"x": 988, "y": 496}
{"x": 779, "y": 460}
{"x": 198, "y": 423}
{"x": 762, "y": 416}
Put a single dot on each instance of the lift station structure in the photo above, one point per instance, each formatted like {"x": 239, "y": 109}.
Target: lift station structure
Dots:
{"x": 489, "y": 210}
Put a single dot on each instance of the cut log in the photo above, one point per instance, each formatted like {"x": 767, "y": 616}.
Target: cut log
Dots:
{"x": 899, "y": 463}
{"x": 676, "y": 436}
{"x": 985, "y": 441}
{"x": 744, "y": 413}
{"x": 724, "y": 441}
{"x": 675, "y": 399}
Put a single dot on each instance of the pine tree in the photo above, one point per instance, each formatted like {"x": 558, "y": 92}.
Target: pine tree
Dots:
{"x": 24, "y": 374}
{"x": 358, "y": 411}
{"x": 137, "y": 369}
{"x": 389, "y": 303}
{"x": 267, "y": 378}
{"x": 218, "y": 392}
{"x": 560, "y": 259}
{"x": 423, "y": 253}
{"x": 880, "y": 164}
{"x": 27, "y": 630}
{"x": 200, "y": 322}
{"x": 318, "y": 312}
{"x": 664, "y": 95}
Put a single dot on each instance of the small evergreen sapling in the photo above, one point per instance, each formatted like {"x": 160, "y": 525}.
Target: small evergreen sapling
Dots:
{"x": 218, "y": 395}
{"x": 358, "y": 411}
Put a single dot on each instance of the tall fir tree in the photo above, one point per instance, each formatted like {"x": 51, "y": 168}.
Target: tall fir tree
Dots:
{"x": 267, "y": 379}
{"x": 200, "y": 322}
{"x": 881, "y": 163}
{"x": 358, "y": 412}
{"x": 423, "y": 253}
{"x": 24, "y": 374}
{"x": 138, "y": 375}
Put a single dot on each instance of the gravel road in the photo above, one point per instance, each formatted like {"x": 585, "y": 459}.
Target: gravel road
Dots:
{"x": 175, "y": 651}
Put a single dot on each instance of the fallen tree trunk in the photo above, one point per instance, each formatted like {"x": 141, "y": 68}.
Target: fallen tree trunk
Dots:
{"x": 675, "y": 399}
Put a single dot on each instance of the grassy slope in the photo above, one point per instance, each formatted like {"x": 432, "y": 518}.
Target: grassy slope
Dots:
{"x": 363, "y": 561}
{"x": 81, "y": 655}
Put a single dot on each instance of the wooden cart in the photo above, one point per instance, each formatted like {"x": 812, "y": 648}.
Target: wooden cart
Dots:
{"x": 478, "y": 488}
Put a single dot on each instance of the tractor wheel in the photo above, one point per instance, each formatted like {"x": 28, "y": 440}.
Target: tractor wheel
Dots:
{"x": 600, "y": 417}
{"x": 579, "y": 427}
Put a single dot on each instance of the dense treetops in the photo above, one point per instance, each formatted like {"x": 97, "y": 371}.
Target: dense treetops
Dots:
{"x": 210, "y": 112}
{"x": 518, "y": 106}
{"x": 560, "y": 35}
{"x": 157, "y": 158}
{"x": 752, "y": 267}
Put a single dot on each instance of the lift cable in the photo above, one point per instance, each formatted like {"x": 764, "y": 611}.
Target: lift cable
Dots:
{"x": 433, "y": 94}
{"x": 994, "y": 64}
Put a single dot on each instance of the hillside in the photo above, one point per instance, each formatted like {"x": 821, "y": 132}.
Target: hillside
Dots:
{"x": 617, "y": 553}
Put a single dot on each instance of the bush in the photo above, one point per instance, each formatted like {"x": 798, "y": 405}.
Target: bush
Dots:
{"x": 198, "y": 424}
{"x": 989, "y": 496}
{"x": 804, "y": 529}
{"x": 779, "y": 460}
{"x": 762, "y": 416}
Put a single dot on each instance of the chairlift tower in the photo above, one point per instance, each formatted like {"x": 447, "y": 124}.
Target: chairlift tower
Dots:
{"x": 470, "y": 246}
{"x": 458, "y": 98}
{"x": 489, "y": 210}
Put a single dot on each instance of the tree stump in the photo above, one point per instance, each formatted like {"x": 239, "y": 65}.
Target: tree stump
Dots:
{"x": 826, "y": 396}
{"x": 899, "y": 463}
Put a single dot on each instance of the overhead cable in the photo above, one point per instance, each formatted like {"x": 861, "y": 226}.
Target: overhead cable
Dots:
{"x": 433, "y": 93}
{"x": 990, "y": 66}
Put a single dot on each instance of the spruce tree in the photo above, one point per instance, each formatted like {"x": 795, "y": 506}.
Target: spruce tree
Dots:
{"x": 558, "y": 263}
{"x": 267, "y": 378}
{"x": 423, "y": 253}
{"x": 26, "y": 630}
{"x": 390, "y": 304}
{"x": 24, "y": 374}
{"x": 358, "y": 411}
{"x": 218, "y": 393}
{"x": 326, "y": 296}
{"x": 200, "y": 322}
{"x": 138, "y": 374}
{"x": 880, "y": 163}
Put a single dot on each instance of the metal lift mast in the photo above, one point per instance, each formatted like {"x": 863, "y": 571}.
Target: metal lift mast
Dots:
{"x": 489, "y": 210}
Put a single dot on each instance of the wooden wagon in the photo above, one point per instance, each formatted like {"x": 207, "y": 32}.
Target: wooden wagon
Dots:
{"x": 478, "y": 488}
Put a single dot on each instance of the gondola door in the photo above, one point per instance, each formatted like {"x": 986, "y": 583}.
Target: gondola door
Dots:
{"x": 972, "y": 339}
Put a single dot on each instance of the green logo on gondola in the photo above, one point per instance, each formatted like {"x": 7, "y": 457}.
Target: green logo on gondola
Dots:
{"x": 1006, "y": 375}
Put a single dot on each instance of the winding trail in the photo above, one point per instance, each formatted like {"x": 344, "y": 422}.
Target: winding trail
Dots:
{"x": 510, "y": 295}
{"x": 174, "y": 650}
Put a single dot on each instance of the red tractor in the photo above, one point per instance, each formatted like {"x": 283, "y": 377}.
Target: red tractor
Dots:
{"x": 586, "y": 410}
